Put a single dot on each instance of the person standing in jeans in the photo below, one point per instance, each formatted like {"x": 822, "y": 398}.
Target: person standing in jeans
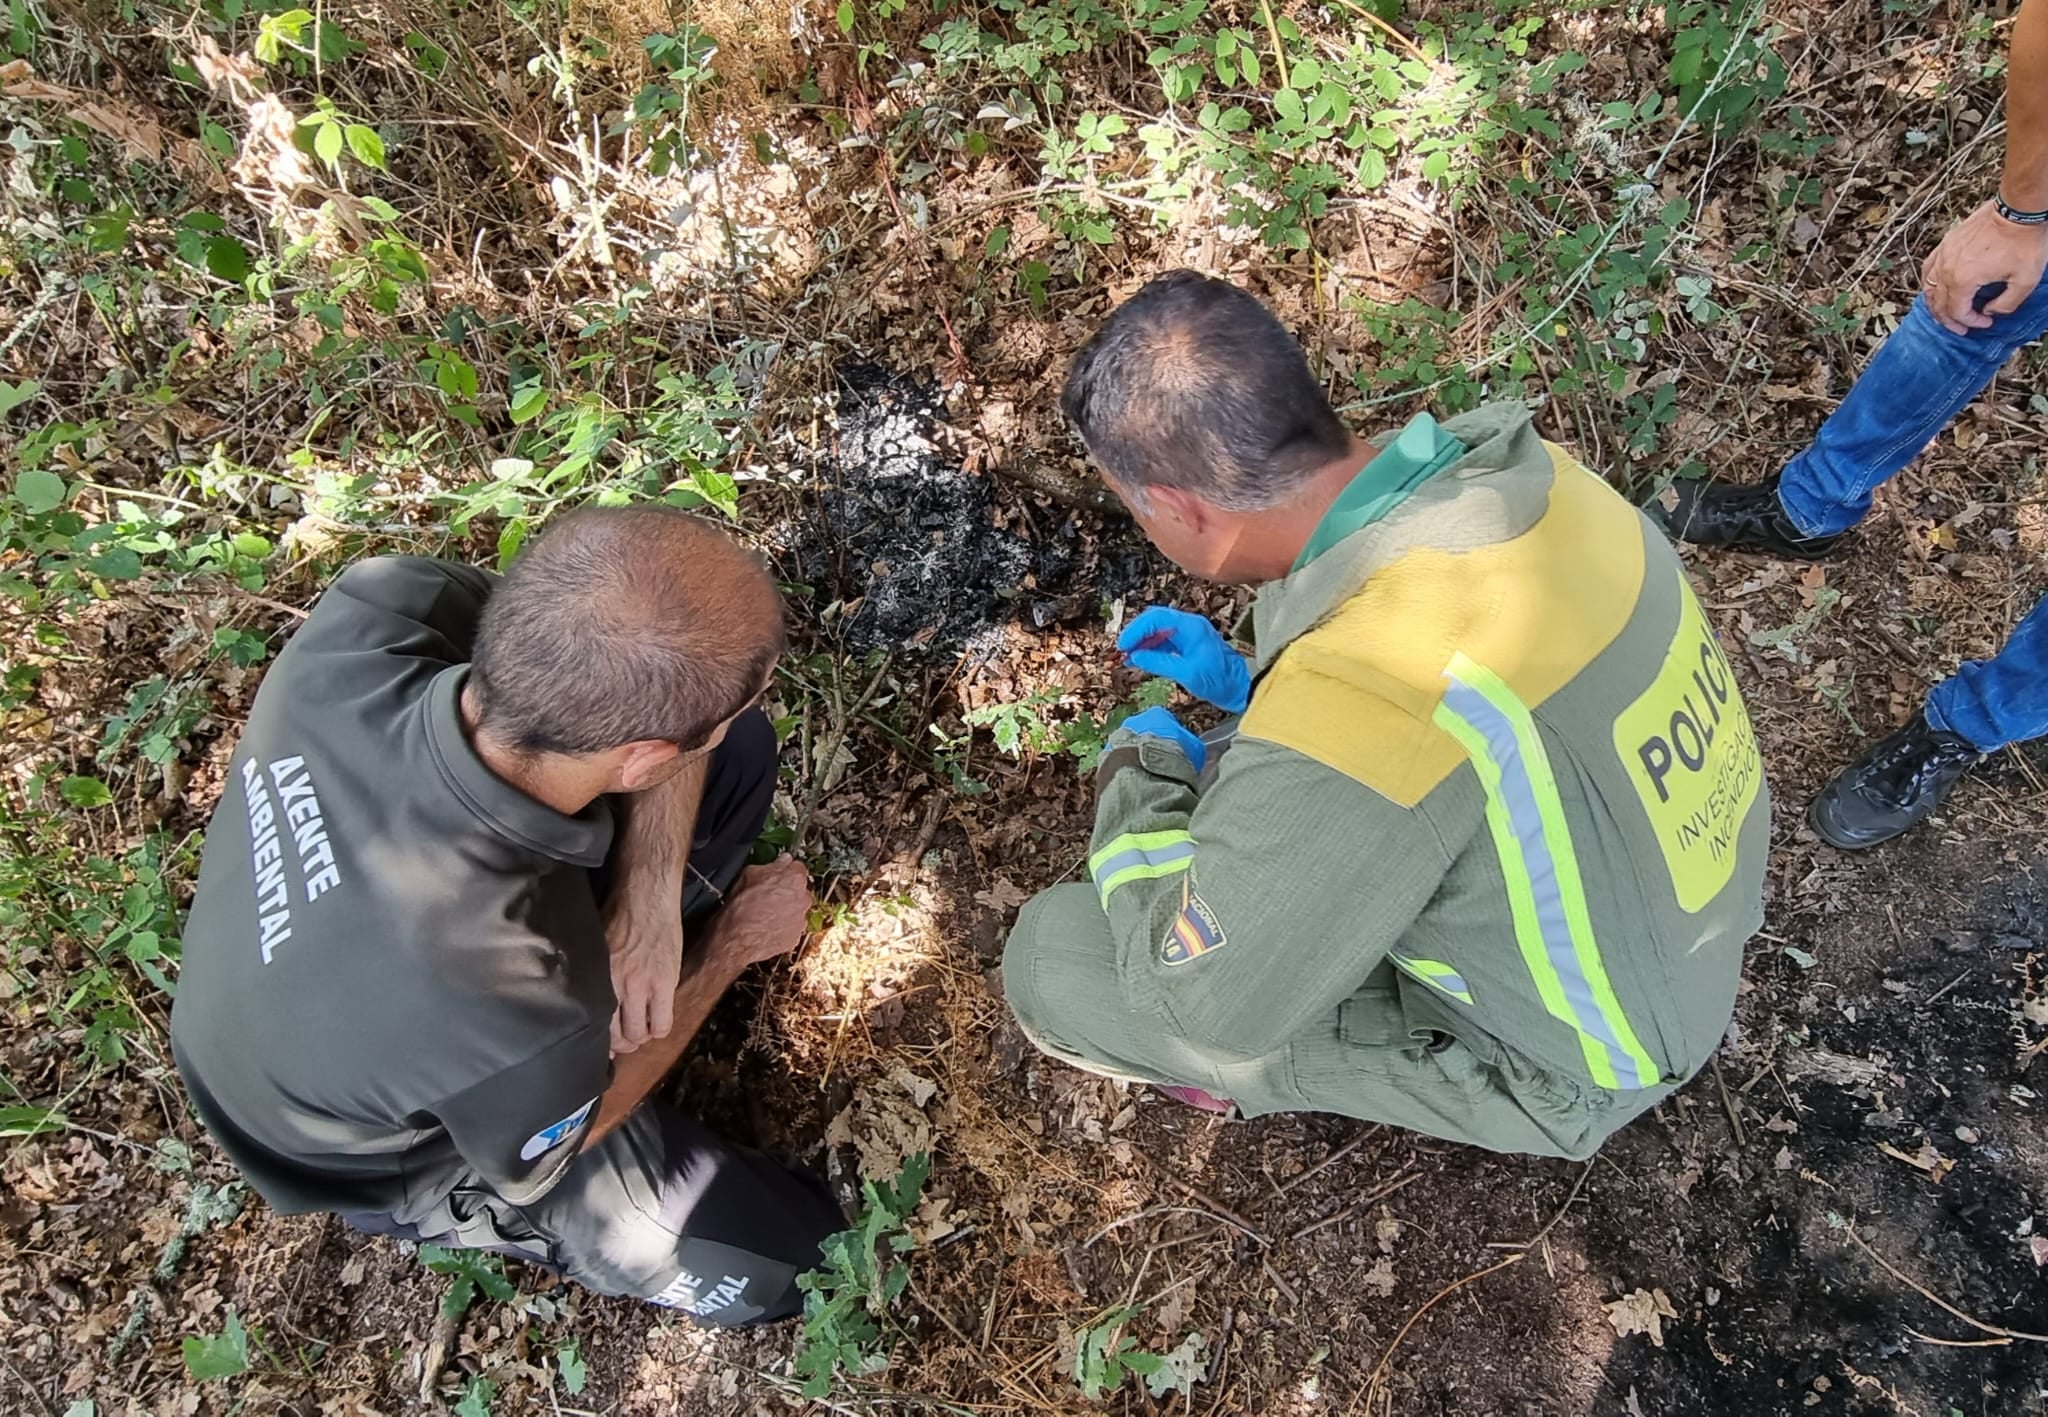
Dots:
{"x": 1983, "y": 299}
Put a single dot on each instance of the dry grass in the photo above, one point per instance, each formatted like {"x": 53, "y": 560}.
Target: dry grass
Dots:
{"x": 848, "y": 234}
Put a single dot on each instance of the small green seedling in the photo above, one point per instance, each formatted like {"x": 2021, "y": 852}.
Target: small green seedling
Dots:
{"x": 847, "y": 1296}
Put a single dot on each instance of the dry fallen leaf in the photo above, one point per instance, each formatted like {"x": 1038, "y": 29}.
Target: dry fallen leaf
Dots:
{"x": 884, "y": 1126}
{"x": 1926, "y": 1159}
{"x": 1380, "y": 1278}
{"x": 2038, "y": 1247}
{"x": 920, "y": 1089}
{"x": 1386, "y": 1230}
{"x": 1644, "y": 1311}
{"x": 932, "y": 1224}
{"x": 236, "y": 76}
{"x": 1002, "y": 896}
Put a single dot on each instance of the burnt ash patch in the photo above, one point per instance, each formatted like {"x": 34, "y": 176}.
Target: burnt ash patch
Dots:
{"x": 1783, "y": 1312}
{"x": 927, "y": 556}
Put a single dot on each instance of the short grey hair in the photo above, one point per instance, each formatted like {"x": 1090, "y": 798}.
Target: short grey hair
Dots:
{"x": 1192, "y": 383}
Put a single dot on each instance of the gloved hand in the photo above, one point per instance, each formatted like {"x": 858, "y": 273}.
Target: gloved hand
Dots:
{"x": 1160, "y": 723}
{"x": 1190, "y": 651}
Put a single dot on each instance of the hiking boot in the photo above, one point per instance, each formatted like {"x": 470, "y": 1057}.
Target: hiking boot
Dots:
{"x": 1893, "y": 786}
{"x": 1747, "y": 518}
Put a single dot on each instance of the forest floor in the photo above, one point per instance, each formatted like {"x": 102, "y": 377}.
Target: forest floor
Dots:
{"x": 818, "y": 271}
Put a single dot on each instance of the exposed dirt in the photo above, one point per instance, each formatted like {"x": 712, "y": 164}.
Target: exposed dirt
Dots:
{"x": 1299, "y": 1248}
{"x": 1326, "y": 1266}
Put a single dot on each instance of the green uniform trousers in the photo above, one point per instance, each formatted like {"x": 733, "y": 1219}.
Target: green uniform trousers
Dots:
{"x": 1382, "y": 1057}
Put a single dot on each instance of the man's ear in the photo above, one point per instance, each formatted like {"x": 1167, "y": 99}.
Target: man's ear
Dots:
{"x": 645, "y": 763}
{"x": 1184, "y": 507}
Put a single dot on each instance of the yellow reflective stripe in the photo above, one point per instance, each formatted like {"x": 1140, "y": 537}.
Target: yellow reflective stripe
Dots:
{"x": 1546, "y": 893}
{"x": 1437, "y": 975}
{"x": 1135, "y": 841}
{"x": 1521, "y": 899}
{"x": 1147, "y": 872}
{"x": 1140, "y": 856}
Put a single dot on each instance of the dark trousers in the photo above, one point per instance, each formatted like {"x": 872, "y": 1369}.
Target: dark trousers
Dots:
{"x": 662, "y": 1209}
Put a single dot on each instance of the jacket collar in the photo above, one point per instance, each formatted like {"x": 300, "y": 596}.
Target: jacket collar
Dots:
{"x": 581, "y": 840}
{"x": 1489, "y": 508}
{"x": 1404, "y": 462}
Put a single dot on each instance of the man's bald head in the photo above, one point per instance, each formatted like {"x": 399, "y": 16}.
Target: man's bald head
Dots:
{"x": 1193, "y": 384}
{"x": 622, "y": 625}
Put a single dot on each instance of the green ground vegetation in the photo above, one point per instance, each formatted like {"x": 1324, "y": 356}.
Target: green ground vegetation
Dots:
{"x": 287, "y": 286}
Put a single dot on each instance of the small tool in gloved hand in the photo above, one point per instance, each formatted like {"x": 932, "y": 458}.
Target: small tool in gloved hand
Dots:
{"x": 1190, "y": 651}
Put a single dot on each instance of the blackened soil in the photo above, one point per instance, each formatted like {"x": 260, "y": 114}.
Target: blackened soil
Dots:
{"x": 1904, "y": 1037}
{"x": 923, "y": 555}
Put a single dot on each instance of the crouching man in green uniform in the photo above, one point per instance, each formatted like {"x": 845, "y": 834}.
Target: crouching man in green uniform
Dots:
{"x": 478, "y": 875}
{"x": 1481, "y": 855}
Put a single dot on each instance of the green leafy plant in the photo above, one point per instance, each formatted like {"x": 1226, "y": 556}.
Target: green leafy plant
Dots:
{"x": 570, "y": 1367}
{"x": 1023, "y": 728}
{"x": 848, "y": 1296}
{"x": 210, "y": 1358}
{"x": 1788, "y": 640}
{"x": 470, "y": 1271}
{"x": 111, "y": 916}
{"x": 1724, "y": 71}
{"x": 1105, "y": 1354}
{"x": 476, "y": 1397}
{"x": 682, "y": 63}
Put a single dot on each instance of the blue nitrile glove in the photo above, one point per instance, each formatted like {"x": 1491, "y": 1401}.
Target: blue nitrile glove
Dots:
{"x": 1188, "y": 650}
{"x": 1160, "y": 723}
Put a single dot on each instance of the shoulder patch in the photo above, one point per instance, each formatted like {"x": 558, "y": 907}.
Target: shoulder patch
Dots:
{"x": 548, "y": 1138}
{"x": 1195, "y": 931}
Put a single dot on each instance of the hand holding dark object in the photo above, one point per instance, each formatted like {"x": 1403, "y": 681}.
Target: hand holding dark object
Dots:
{"x": 1190, "y": 651}
{"x": 1984, "y": 268}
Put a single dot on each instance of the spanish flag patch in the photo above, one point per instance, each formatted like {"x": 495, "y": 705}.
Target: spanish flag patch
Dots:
{"x": 1194, "y": 931}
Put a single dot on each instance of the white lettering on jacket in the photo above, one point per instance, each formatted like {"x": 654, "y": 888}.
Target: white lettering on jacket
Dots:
{"x": 293, "y": 812}
{"x": 317, "y": 866}
{"x": 273, "y": 897}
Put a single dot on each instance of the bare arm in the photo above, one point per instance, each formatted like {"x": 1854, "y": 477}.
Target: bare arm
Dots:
{"x": 1984, "y": 249}
{"x": 706, "y": 975}
{"x": 644, "y": 914}
{"x": 764, "y": 917}
{"x": 2026, "y": 110}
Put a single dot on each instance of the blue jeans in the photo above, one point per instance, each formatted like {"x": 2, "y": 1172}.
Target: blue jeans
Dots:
{"x": 1920, "y": 380}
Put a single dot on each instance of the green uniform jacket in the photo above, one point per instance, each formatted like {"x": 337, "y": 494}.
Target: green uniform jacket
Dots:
{"x": 1495, "y": 783}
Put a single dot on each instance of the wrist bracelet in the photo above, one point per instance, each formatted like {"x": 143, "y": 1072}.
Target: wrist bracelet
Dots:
{"x": 2018, "y": 217}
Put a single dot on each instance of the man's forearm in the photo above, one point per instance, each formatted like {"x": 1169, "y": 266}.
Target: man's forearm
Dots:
{"x": 707, "y": 974}
{"x": 654, "y": 850}
{"x": 2026, "y": 110}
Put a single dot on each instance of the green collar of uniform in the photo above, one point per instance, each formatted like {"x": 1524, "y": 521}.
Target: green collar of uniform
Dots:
{"x": 1495, "y": 488}
{"x": 1415, "y": 454}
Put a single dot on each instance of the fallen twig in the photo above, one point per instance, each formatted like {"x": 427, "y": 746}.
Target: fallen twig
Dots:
{"x": 2000, "y": 1336}
{"x": 1147, "y": 1214}
{"x": 1333, "y": 1158}
{"x": 1380, "y": 1368}
{"x": 1728, "y": 1103}
{"x": 1407, "y": 1178}
{"x": 1533, "y": 1241}
{"x": 1938, "y": 993}
{"x": 1214, "y": 1207}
